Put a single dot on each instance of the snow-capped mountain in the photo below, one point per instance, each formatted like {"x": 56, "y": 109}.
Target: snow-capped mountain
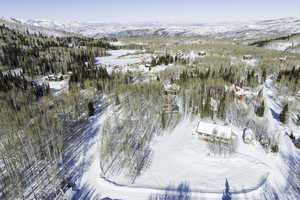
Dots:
{"x": 231, "y": 30}
{"x": 257, "y": 30}
{"x": 21, "y": 26}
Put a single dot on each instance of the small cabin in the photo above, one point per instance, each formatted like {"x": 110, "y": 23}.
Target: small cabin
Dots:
{"x": 211, "y": 132}
{"x": 171, "y": 89}
{"x": 247, "y": 57}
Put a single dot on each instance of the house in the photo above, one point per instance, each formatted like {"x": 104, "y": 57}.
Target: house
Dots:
{"x": 283, "y": 59}
{"x": 171, "y": 89}
{"x": 242, "y": 93}
{"x": 180, "y": 53}
{"x": 170, "y": 92}
{"x": 210, "y": 132}
{"x": 247, "y": 57}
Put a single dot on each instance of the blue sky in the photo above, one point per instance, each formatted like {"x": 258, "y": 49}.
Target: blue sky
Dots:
{"x": 195, "y": 11}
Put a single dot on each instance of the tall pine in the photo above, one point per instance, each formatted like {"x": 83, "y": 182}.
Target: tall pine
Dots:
{"x": 283, "y": 114}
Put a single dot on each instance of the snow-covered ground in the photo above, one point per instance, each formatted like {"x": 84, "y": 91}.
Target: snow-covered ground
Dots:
{"x": 128, "y": 61}
{"x": 14, "y": 72}
{"x": 59, "y": 86}
{"x": 251, "y": 62}
{"x": 180, "y": 157}
{"x": 122, "y": 58}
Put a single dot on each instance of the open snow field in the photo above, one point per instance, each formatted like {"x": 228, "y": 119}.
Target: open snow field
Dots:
{"x": 124, "y": 60}
{"x": 131, "y": 61}
{"x": 180, "y": 157}
{"x": 58, "y": 86}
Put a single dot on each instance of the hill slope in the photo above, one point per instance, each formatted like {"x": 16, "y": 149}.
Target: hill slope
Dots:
{"x": 233, "y": 30}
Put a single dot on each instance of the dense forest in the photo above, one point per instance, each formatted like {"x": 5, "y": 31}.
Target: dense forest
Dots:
{"x": 34, "y": 123}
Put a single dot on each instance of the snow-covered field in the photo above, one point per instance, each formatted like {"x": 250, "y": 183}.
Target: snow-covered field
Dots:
{"x": 128, "y": 61}
{"x": 180, "y": 157}
{"x": 58, "y": 86}
{"x": 251, "y": 62}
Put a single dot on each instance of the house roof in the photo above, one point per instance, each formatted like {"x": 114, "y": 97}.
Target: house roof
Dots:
{"x": 214, "y": 130}
{"x": 171, "y": 87}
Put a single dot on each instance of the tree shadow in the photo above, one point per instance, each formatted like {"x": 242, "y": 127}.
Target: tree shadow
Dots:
{"x": 76, "y": 159}
{"x": 181, "y": 192}
{"x": 274, "y": 114}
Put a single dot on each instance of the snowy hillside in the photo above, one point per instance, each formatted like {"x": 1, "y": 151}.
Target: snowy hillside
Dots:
{"x": 32, "y": 28}
{"x": 289, "y": 43}
{"x": 232, "y": 30}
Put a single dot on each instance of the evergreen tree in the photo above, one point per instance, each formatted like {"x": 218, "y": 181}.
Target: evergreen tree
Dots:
{"x": 260, "y": 110}
{"x": 264, "y": 75}
{"x": 117, "y": 99}
{"x": 226, "y": 192}
{"x": 283, "y": 114}
{"x": 91, "y": 108}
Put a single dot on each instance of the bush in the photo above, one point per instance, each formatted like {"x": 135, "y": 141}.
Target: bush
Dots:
{"x": 274, "y": 148}
{"x": 297, "y": 144}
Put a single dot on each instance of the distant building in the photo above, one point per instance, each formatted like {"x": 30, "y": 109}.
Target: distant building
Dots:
{"x": 180, "y": 53}
{"x": 53, "y": 77}
{"x": 202, "y": 53}
{"x": 247, "y": 57}
{"x": 211, "y": 132}
{"x": 243, "y": 93}
{"x": 171, "y": 89}
{"x": 170, "y": 96}
{"x": 283, "y": 59}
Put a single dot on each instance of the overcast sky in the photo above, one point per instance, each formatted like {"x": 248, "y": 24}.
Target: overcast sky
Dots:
{"x": 195, "y": 11}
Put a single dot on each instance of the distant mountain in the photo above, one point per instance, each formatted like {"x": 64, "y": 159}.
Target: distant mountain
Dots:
{"x": 21, "y": 26}
{"x": 232, "y": 30}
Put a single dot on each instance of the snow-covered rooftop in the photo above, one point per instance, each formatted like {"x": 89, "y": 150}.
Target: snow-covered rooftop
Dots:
{"x": 214, "y": 130}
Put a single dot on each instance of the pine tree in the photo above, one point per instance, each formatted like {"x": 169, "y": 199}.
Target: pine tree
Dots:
{"x": 260, "y": 110}
{"x": 91, "y": 108}
{"x": 264, "y": 75}
{"x": 226, "y": 192}
{"x": 283, "y": 114}
{"x": 117, "y": 99}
